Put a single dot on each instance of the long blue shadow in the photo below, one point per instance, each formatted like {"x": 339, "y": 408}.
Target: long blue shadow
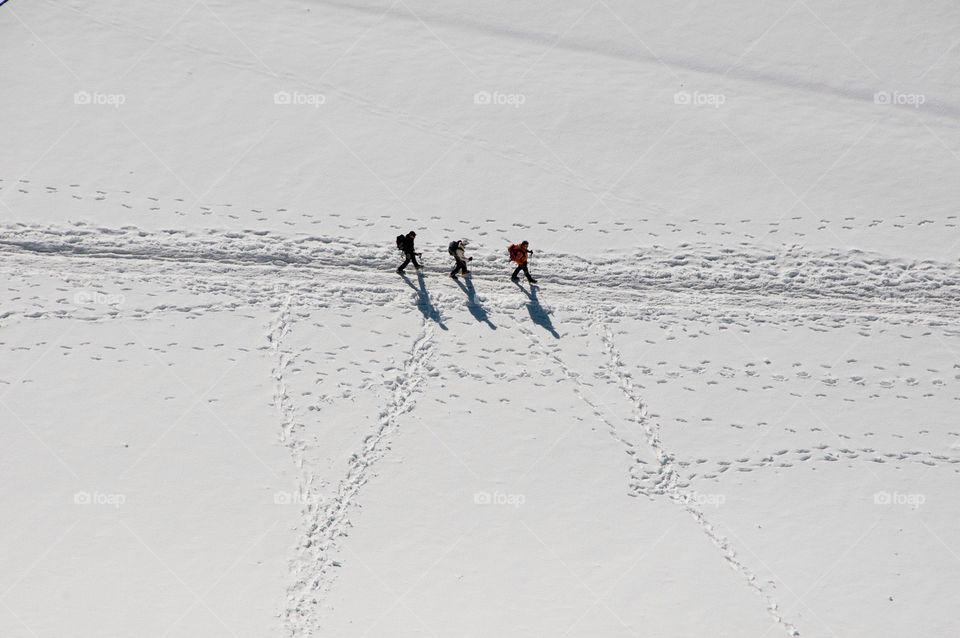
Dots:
{"x": 538, "y": 315}
{"x": 478, "y": 312}
{"x": 423, "y": 300}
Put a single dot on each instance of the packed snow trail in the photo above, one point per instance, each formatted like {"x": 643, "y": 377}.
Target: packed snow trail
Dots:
{"x": 703, "y": 278}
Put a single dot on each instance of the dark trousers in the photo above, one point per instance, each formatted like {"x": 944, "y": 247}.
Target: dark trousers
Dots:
{"x": 460, "y": 267}
{"x": 410, "y": 257}
{"x": 522, "y": 267}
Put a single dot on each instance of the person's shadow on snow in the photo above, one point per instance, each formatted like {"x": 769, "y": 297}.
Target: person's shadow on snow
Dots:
{"x": 423, "y": 300}
{"x": 537, "y": 313}
{"x": 473, "y": 305}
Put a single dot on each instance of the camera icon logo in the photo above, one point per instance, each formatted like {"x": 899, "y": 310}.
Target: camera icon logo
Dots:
{"x": 482, "y": 97}
{"x": 82, "y": 498}
{"x": 681, "y": 97}
{"x": 882, "y": 97}
{"x": 82, "y": 97}
{"x": 483, "y": 498}
{"x": 282, "y": 97}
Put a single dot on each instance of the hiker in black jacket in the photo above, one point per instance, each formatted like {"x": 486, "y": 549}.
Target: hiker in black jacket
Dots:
{"x": 405, "y": 243}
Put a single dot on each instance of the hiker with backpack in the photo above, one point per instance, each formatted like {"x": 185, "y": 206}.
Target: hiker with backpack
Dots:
{"x": 456, "y": 250}
{"x": 519, "y": 253}
{"x": 405, "y": 244}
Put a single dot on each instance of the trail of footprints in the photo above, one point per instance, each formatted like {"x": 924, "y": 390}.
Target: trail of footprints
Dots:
{"x": 665, "y": 480}
{"x": 668, "y": 476}
{"x": 580, "y": 389}
{"x": 903, "y": 381}
{"x": 327, "y": 519}
{"x": 651, "y": 228}
{"x": 929, "y": 294}
{"x": 784, "y": 458}
{"x": 824, "y": 381}
{"x": 618, "y": 192}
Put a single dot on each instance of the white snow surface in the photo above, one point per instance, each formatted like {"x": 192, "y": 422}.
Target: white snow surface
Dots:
{"x": 730, "y": 408}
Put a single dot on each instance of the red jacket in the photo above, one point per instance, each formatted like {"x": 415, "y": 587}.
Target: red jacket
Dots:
{"x": 518, "y": 254}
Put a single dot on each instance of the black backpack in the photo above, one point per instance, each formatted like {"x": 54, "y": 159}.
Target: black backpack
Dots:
{"x": 452, "y": 248}
{"x": 400, "y": 241}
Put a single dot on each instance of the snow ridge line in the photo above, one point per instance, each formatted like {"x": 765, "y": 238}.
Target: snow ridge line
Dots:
{"x": 327, "y": 523}
{"x": 668, "y": 483}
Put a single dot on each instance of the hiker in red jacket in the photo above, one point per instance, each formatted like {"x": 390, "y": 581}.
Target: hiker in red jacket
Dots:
{"x": 520, "y": 253}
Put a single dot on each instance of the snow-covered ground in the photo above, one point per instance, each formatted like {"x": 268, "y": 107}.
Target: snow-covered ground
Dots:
{"x": 729, "y": 408}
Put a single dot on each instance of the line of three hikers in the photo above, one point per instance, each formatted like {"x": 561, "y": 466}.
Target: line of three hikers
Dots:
{"x": 519, "y": 253}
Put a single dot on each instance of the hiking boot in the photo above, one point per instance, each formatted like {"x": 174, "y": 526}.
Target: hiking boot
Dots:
{"x": 533, "y": 281}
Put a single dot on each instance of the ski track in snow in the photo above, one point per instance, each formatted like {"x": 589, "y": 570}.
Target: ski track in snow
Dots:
{"x": 237, "y": 270}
